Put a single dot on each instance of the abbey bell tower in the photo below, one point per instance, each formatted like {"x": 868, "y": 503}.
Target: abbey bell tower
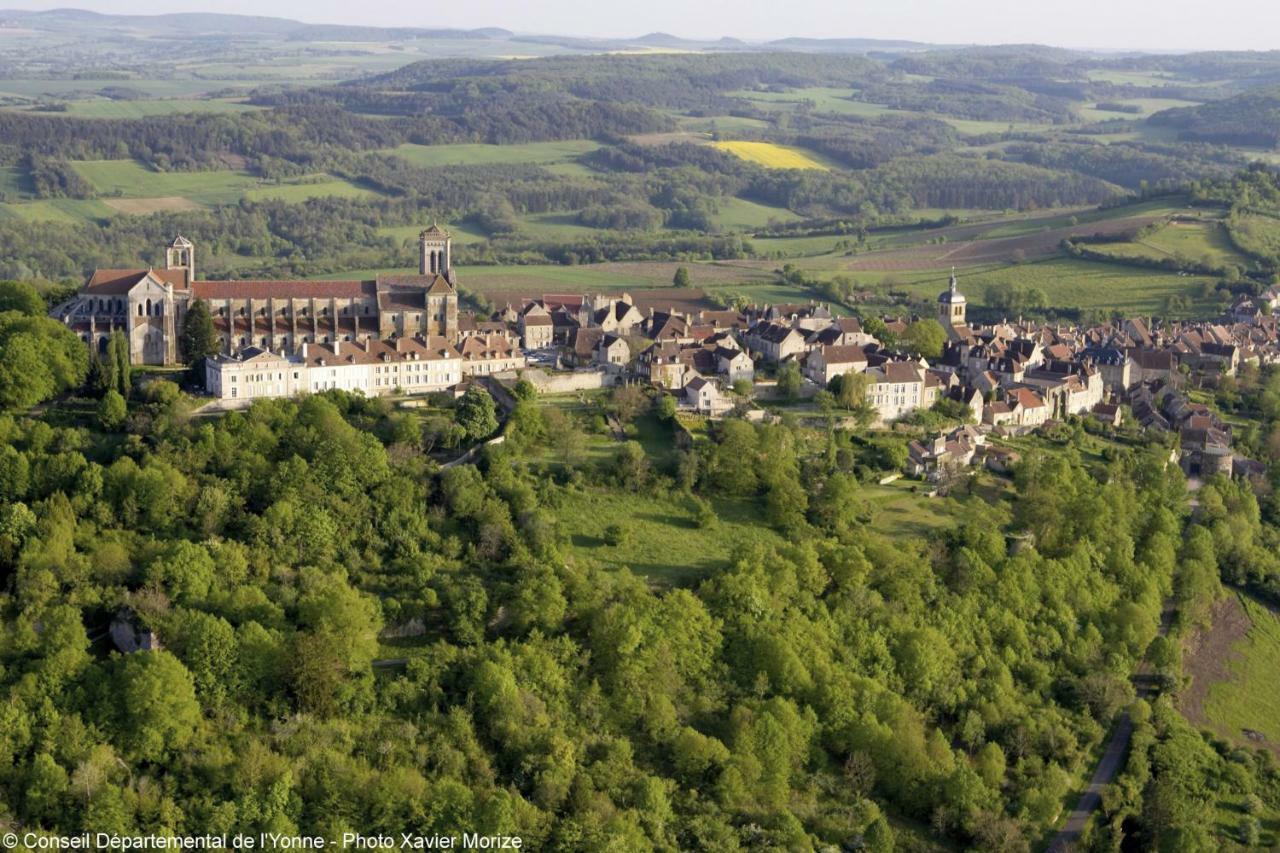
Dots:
{"x": 434, "y": 246}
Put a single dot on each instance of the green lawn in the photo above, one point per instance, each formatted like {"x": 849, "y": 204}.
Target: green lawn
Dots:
{"x": 901, "y": 508}
{"x": 485, "y": 155}
{"x": 1250, "y": 698}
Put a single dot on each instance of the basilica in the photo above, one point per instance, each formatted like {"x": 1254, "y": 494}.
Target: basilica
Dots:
{"x": 149, "y": 305}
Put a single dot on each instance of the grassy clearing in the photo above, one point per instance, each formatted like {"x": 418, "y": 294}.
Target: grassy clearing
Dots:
{"x": 13, "y": 181}
{"x": 665, "y": 544}
{"x": 824, "y": 99}
{"x": 1248, "y": 700}
{"x": 130, "y": 179}
{"x": 1205, "y": 242}
{"x": 738, "y": 214}
{"x": 902, "y": 509}
{"x": 428, "y": 156}
{"x": 771, "y": 155}
{"x": 301, "y": 191}
{"x": 1259, "y": 235}
{"x": 722, "y": 124}
{"x": 1148, "y": 106}
{"x": 142, "y": 206}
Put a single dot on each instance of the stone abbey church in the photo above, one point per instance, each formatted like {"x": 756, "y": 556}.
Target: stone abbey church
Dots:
{"x": 149, "y": 306}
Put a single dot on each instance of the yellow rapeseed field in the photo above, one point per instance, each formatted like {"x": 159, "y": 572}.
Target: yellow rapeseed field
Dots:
{"x": 771, "y": 155}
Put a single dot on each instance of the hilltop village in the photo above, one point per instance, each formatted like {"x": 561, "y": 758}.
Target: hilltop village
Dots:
{"x": 405, "y": 334}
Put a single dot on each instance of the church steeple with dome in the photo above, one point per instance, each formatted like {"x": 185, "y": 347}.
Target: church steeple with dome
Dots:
{"x": 951, "y": 307}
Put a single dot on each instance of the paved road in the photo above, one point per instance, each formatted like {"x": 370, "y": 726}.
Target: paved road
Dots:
{"x": 1112, "y": 757}
{"x": 1110, "y": 764}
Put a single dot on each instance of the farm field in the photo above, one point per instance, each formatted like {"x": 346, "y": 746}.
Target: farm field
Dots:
{"x": 774, "y": 156}
{"x": 84, "y": 87}
{"x": 824, "y": 99}
{"x": 305, "y": 189}
{"x": 541, "y": 153}
{"x": 1076, "y": 283}
{"x": 1204, "y": 242}
{"x": 739, "y": 214}
{"x": 1148, "y": 106}
{"x": 64, "y": 210}
{"x": 130, "y": 179}
{"x": 1258, "y": 234}
{"x": 142, "y": 206}
{"x": 106, "y": 108}
{"x": 13, "y": 181}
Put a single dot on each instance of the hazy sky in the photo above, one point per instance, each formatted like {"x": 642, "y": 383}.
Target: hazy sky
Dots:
{"x": 1149, "y": 24}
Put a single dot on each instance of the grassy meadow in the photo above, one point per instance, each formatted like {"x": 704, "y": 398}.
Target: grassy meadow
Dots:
{"x": 1249, "y": 698}
{"x": 539, "y": 153}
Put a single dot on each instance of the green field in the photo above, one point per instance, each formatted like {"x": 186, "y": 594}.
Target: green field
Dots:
{"x": 1074, "y": 283}
{"x": 665, "y": 545}
{"x": 824, "y": 99}
{"x": 13, "y": 181}
{"x": 1259, "y": 235}
{"x": 1206, "y": 243}
{"x": 66, "y": 210}
{"x": 103, "y": 108}
{"x": 83, "y": 88}
{"x": 305, "y": 189}
{"x": 1149, "y": 106}
{"x": 130, "y": 179}
{"x": 540, "y": 153}
{"x": 1250, "y": 698}
{"x": 739, "y": 214}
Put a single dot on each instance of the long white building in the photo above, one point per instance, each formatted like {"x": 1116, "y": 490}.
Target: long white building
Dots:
{"x": 415, "y": 365}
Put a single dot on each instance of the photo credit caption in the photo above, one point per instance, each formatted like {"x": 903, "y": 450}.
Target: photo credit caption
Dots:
{"x": 260, "y": 841}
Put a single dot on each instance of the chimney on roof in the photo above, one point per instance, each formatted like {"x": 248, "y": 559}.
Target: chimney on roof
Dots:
{"x": 337, "y": 346}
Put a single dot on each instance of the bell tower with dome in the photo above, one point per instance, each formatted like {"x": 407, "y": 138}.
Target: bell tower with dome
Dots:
{"x": 951, "y": 307}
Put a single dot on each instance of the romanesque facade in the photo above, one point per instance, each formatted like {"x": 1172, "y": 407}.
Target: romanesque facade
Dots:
{"x": 149, "y": 306}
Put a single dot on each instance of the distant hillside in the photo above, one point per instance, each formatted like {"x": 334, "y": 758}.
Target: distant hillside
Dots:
{"x": 188, "y": 24}
{"x": 1251, "y": 119}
